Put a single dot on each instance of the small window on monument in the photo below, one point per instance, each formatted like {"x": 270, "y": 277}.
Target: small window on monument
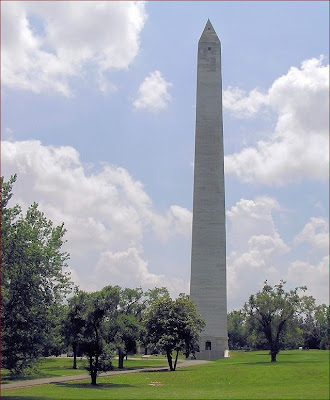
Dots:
{"x": 208, "y": 345}
{"x": 209, "y": 48}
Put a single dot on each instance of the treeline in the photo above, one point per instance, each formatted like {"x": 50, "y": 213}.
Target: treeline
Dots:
{"x": 306, "y": 325}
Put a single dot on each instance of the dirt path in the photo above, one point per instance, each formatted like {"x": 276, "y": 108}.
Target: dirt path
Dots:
{"x": 56, "y": 379}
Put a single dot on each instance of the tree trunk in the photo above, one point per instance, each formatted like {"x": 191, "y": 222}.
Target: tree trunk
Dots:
{"x": 176, "y": 359}
{"x": 169, "y": 359}
{"x": 120, "y": 359}
{"x": 74, "y": 348}
{"x": 92, "y": 370}
{"x": 273, "y": 356}
{"x": 93, "y": 377}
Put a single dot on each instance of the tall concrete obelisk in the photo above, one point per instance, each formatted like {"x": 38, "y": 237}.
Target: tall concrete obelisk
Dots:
{"x": 208, "y": 255}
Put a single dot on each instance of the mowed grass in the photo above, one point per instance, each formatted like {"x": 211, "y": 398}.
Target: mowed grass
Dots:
{"x": 296, "y": 375}
{"x": 62, "y": 366}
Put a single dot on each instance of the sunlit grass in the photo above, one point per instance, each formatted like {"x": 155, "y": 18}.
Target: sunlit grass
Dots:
{"x": 296, "y": 375}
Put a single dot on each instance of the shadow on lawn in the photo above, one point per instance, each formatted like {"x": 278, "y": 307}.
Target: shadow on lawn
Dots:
{"x": 99, "y": 386}
{"x": 21, "y": 398}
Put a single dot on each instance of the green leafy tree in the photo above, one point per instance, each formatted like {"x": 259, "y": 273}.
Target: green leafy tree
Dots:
{"x": 97, "y": 333}
{"x": 237, "y": 332}
{"x": 73, "y": 324}
{"x": 129, "y": 322}
{"x": 272, "y": 308}
{"x": 128, "y": 330}
{"x": 54, "y": 343}
{"x": 315, "y": 324}
{"x": 33, "y": 280}
{"x": 173, "y": 326}
{"x": 150, "y": 296}
{"x": 293, "y": 334}
{"x": 322, "y": 321}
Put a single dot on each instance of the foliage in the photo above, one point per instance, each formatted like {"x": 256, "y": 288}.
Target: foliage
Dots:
{"x": 129, "y": 327}
{"x": 272, "y": 308}
{"x": 315, "y": 324}
{"x": 174, "y": 325}
{"x": 92, "y": 317}
{"x": 74, "y": 322}
{"x": 128, "y": 331}
{"x": 237, "y": 332}
{"x": 54, "y": 343}
{"x": 33, "y": 282}
{"x": 152, "y": 295}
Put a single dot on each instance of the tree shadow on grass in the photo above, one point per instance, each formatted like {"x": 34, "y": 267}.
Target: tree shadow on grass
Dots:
{"x": 21, "y": 398}
{"x": 99, "y": 386}
{"x": 278, "y": 362}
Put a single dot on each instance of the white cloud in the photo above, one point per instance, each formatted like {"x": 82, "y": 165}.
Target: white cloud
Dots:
{"x": 44, "y": 44}
{"x": 316, "y": 233}
{"x": 249, "y": 218}
{"x": 242, "y": 106}
{"x": 299, "y": 146}
{"x": 314, "y": 276}
{"x": 106, "y": 214}
{"x": 257, "y": 252}
{"x": 256, "y": 247}
{"x": 153, "y": 93}
{"x": 128, "y": 269}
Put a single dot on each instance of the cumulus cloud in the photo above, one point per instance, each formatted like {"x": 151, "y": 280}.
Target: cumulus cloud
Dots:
{"x": 249, "y": 218}
{"x": 314, "y": 276}
{"x": 255, "y": 245}
{"x": 241, "y": 105}
{"x": 106, "y": 213}
{"x": 258, "y": 252}
{"x": 44, "y": 44}
{"x": 153, "y": 93}
{"x": 315, "y": 233}
{"x": 130, "y": 270}
{"x": 299, "y": 146}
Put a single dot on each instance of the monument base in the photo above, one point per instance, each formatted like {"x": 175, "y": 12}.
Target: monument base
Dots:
{"x": 212, "y": 348}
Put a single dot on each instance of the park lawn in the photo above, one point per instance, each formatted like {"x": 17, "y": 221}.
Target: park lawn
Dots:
{"x": 296, "y": 375}
{"x": 62, "y": 366}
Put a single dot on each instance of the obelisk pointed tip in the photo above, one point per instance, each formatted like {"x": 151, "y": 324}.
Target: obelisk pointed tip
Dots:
{"x": 209, "y": 32}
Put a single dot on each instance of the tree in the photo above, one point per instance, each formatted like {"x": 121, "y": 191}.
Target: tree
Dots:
{"x": 54, "y": 343}
{"x": 237, "y": 335}
{"x": 315, "y": 324}
{"x": 150, "y": 296}
{"x": 128, "y": 330}
{"x": 74, "y": 322}
{"x": 129, "y": 322}
{"x": 33, "y": 280}
{"x": 322, "y": 322}
{"x": 173, "y": 325}
{"x": 272, "y": 308}
{"x": 97, "y": 333}
{"x": 293, "y": 334}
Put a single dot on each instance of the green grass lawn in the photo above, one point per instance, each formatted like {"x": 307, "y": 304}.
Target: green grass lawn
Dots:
{"x": 296, "y": 375}
{"x": 62, "y": 366}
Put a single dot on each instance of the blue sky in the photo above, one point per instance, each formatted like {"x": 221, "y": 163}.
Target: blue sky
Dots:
{"x": 98, "y": 111}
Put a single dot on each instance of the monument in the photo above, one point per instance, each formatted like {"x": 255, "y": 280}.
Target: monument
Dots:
{"x": 208, "y": 254}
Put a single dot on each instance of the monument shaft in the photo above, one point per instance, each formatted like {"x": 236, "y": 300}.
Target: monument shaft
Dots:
{"x": 208, "y": 256}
